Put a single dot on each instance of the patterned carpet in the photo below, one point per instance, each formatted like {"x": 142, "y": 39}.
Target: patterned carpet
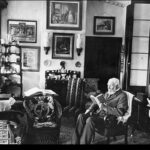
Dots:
{"x": 67, "y": 128}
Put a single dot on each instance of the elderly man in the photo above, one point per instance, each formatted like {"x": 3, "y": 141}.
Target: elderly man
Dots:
{"x": 114, "y": 103}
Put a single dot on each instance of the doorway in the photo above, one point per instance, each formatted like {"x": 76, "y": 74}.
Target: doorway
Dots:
{"x": 102, "y": 59}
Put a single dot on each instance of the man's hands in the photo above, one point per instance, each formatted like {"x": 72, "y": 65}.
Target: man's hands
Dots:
{"x": 95, "y": 100}
{"x": 87, "y": 111}
{"x": 104, "y": 107}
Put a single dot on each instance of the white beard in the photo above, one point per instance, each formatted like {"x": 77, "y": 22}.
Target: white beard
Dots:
{"x": 111, "y": 92}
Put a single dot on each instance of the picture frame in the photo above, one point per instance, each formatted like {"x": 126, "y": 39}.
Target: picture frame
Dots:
{"x": 104, "y": 25}
{"x": 64, "y": 14}
{"x": 30, "y": 56}
{"x": 63, "y": 46}
{"x": 24, "y": 31}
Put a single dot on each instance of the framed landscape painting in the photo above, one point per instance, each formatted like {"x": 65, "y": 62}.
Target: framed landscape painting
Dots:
{"x": 104, "y": 25}
{"x": 63, "y": 46}
{"x": 64, "y": 15}
{"x": 24, "y": 31}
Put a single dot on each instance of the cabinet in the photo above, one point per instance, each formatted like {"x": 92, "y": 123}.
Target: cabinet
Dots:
{"x": 11, "y": 70}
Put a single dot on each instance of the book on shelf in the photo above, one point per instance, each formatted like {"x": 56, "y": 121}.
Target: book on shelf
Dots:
{"x": 99, "y": 99}
{"x": 37, "y": 91}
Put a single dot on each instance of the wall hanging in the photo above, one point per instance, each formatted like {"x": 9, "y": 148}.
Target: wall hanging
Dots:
{"x": 30, "y": 58}
{"x": 47, "y": 63}
{"x": 64, "y": 15}
{"x": 22, "y": 30}
{"x": 104, "y": 25}
{"x": 63, "y": 46}
{"x": 78, "y": 64}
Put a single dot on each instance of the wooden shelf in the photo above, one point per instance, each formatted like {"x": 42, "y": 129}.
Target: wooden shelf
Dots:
{"x": 8, "y": 70}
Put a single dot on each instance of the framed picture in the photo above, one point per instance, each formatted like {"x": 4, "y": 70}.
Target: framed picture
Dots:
{"x": 104, "y": 25}
{"x": 63, "y": 46}
{"x": 64, "y": 14}
{"x": 30, "y": 56}
{"x": 24, "y": 31}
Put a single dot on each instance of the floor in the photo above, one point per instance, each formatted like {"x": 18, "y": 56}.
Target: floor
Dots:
{"x": 67, "y": 129}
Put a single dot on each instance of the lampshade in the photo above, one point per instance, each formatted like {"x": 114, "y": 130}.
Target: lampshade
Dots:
{"x": 46, "y": 42}
{"x": 79, "y": 44}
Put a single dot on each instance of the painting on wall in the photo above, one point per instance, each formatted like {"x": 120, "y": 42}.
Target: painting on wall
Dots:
{"x": 63, "y": 46}
{"x": 30, "y": 58}
{"x": 24, "y": 31}
{"x": 64, "y": 15}
{"x": 104, "y": 25}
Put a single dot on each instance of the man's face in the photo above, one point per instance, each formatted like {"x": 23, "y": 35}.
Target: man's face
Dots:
{"x": 111, "y": 87}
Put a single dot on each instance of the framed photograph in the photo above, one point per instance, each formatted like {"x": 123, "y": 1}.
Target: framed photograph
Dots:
{"x": 63, "y": 46}
{"x": 104, "y": 25}
{"x": 24, "y": 31}
{"x": 64, "y": 14}
{"x": 30, "y": 56}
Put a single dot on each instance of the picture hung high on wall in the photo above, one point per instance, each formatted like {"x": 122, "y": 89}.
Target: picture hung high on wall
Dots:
{"x": 30, "y": 58}
{"x": 64, "y": 14}
{"x": 24, "y": 31}
{"x": 104, "y": 25}
{"x": 63, "y": 46}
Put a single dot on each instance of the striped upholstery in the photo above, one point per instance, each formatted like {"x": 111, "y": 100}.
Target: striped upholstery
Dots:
{"x": 70, "y": 98}
{"x": 78, "y": 95}
{"x": 74, "y": 98}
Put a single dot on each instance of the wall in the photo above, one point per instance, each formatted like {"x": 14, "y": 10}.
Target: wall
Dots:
{"x": 101, "y": 8}
{"x": 36, "y": 10}
{"x": 24, "y": 10}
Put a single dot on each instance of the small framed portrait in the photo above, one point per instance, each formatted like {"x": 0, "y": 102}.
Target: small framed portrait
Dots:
{"x": 24, "y": 31}
{"x": 30, "y": 56}
{"x": 64, "y": 14}
{"x": 104, "y": 25}
{"x": 63, "y": 46}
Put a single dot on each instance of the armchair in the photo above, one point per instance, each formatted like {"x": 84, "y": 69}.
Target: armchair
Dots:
{"x": 44, "y": 119}
{"x": 74, "y": 98}
{"x": 118, "y": 126}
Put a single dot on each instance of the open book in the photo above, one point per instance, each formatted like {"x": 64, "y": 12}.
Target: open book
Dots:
{"x": 98, "y": 99}
{"x": 36, "y": 91}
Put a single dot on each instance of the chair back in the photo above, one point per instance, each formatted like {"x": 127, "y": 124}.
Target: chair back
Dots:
{"x": 124, "y": 118}
{"x": 58, "y": 109}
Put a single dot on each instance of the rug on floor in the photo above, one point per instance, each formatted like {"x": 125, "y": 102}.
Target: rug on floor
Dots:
{"x": 68, "y": 125}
